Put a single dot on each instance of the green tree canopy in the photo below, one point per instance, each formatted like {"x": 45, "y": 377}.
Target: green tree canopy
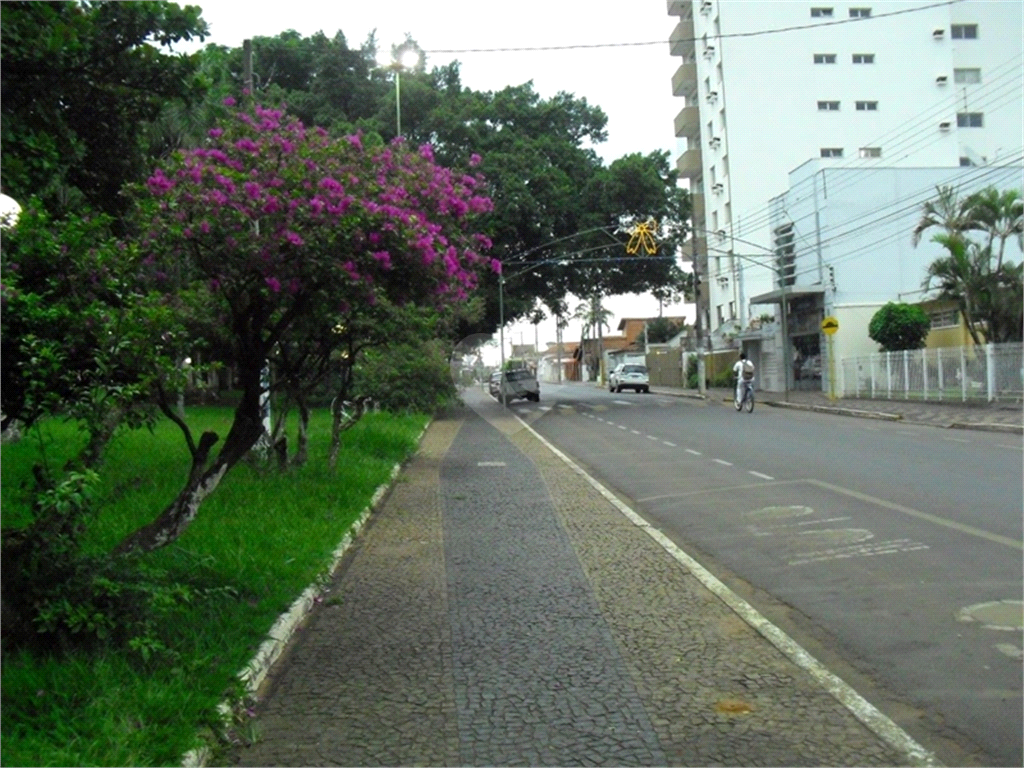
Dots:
{"x": 899, "y": 326}
{"x": 78, "y": 79}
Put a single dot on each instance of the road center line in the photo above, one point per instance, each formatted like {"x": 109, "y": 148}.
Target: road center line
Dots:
{"x": 695, "y": 453}
{"x": 670, "y": 445}
{"x": 993, "y": 537}
{"x": 723, "y": 462}
{"x": 651, "y": 437}
{"x": 764, "y": 477}
{"x": 635, "y": 431}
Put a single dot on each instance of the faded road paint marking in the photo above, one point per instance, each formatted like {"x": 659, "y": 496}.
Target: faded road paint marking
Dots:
{"x": 695, "y": 453}
{"x": 635, "y": 431}
{"x": 723, "y": 462}
{"x": 956, "y": 440}
{"x": 652, "y": 437}
{"x": 858, "y": 706}
{"x": 670, "y": 445}
{"x": 620, "y": 426}
{"x": 490, "y": 463}
{"x": 860, "y": 550}
{"x": 969, "y": 529}
{"x": 762, "y": 476}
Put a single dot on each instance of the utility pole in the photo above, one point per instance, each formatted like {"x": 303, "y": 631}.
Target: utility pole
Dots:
{"x": 699, "y": 324}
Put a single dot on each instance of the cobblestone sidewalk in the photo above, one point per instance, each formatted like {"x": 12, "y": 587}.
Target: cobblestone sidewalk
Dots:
{"x": 499, "y": 610}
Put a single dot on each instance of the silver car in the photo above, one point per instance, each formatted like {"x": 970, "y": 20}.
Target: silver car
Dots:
{"x": 629, "y": 376}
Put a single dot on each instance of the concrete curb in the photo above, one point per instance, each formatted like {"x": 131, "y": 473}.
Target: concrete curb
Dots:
{"x": 873, "y": 718}
{"x": 280, "y": 634}
{"x": 1012, "y": 429}
{"x": 879, "y": 415}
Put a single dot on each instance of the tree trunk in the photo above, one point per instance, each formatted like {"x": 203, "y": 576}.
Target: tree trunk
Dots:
{"x": 246, "y": 430}
{"x": 302, "y": 444}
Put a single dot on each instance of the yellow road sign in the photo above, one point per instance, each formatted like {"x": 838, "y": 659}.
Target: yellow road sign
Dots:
{"x": 829, "y": 325}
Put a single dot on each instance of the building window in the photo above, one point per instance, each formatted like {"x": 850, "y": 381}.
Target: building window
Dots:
{"x": 725, "y": 166}
{"x": 714, "y": 179}
{"x": 970, "y": 120}
{"x": 966, "y": 162}
{"x": 821, "y": 13}
{"x": 831, "y": 151}
{"x": 964, "y": 32}
{"x": 728, "y": 213}
{"x": 714, "y": 220}
{"x": 732, "y": 310}
{"x": 824, "y": 58}
{"x": 967, "y": 76}
{"x": 870, "y": 151}
{"x": 949, "y": 318}
{"x": 863, "y": 58}
{"x": 860, "y": 13}
{"x": 867, "y": 106}
{"x": 828, "y": 106}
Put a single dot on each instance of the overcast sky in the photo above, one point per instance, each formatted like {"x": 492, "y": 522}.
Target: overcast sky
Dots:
{"x": 631, "y": 83}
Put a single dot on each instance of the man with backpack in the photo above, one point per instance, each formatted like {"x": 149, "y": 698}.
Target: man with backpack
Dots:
{"x": 743, "y": 370}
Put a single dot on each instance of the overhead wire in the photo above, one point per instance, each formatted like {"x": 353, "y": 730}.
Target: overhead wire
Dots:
{"x": 753, "y": 33}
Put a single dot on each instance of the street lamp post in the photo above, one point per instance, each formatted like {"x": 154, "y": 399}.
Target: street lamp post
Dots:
{"x": 408, "y": 59}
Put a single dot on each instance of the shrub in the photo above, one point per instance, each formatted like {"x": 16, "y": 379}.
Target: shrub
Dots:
{"x": 407, "y": 378}
{"x": 899, "y": 326}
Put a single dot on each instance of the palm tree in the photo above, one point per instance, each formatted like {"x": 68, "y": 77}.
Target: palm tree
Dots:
{"x": 1001, "y": 214}
{"x": 947, "y": 212}
{"x": 594, "y": 316}
{"x": 958, "y": 277}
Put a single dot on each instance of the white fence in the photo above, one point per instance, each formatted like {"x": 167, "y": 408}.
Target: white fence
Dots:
{"x": 991, "y": 372}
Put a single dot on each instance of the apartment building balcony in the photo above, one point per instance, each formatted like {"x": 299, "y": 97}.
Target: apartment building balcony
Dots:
{"x": 697, "y": 203}
{"x": 684, "y": 81}
{"x": 688, "y": 122}
{"x": 680, "y": 8}
{"x": 686, "y": 252}
{"x": 690, "y": 163}
{"x": 680, "y": 42}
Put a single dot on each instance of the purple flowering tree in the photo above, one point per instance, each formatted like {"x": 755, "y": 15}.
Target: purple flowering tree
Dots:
{"x": 288, "y": 229}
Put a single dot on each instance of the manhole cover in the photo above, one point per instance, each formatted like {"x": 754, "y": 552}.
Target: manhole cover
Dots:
{"x": 1000, "y": 614}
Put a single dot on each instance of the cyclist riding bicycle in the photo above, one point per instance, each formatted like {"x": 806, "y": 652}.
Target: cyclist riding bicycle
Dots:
{"x": 743, "y": 371}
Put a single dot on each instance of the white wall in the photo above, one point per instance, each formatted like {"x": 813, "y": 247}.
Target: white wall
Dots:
{"x": 768, "y": 88}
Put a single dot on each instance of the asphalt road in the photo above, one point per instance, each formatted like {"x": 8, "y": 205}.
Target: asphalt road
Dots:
{"x": 871, "y": 543}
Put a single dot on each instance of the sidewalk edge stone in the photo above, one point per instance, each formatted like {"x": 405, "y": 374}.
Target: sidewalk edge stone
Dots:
{"x": 282, "y": 630}
{"x": 1012, "y": 429}
{"x": 875, "y": 720}
{"x": 879, "y": 415}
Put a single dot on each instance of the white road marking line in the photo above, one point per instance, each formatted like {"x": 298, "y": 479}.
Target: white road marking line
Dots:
{"x": 623, "y": 402}
{"x": 936, "y": 519}
{"x": 695, "y": 453}
{"x": 860, "y": 707}
{"x": 636, "y": 431}
{"x": 762, "y": 476}
{"x": 1011, "y": 447}
{"x": 620, "y": 426}
{"x": 652, "y": 437}
{"x": 956, "y": 440}
{"x": 490, "y": 463}
{"x": 670, "y": 445}
{"x": 723, "y": 462}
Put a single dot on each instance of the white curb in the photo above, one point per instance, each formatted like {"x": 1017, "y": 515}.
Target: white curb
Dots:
{"x": 283, "y": 629}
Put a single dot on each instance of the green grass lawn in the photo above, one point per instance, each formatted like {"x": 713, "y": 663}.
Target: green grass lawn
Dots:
{"x": 258, "y": 541}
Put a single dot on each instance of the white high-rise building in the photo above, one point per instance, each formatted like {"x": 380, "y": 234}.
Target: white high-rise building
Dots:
{"x": 769, "y": 85}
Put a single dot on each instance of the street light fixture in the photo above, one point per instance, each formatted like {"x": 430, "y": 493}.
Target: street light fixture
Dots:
{"x": 407, "y": 59}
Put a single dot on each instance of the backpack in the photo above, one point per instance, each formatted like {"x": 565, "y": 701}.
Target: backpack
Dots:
{"x": 748, "y": 370}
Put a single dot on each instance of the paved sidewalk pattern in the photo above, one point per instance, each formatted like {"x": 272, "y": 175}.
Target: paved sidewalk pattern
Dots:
{"x": 498, "y": 610}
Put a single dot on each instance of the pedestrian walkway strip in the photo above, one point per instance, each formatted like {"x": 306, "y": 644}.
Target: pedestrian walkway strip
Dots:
{"x": 863, "y": 710}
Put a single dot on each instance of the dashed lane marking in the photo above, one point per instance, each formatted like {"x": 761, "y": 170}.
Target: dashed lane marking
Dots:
{"x": 636, "y": 431}
{"x": 762, "y": 476}
{"x": 723, "y": 462}
{"x": 652, "y": 437}
{"x": 857, "y": 705}
{"x": 670, "y": 445}
{"x": 695, "y": 453}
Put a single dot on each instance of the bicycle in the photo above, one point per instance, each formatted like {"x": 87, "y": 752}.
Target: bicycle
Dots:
{"x": 747, "y": 398}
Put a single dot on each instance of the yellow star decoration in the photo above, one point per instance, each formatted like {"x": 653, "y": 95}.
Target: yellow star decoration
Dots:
{"x": 643, "y": 235}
